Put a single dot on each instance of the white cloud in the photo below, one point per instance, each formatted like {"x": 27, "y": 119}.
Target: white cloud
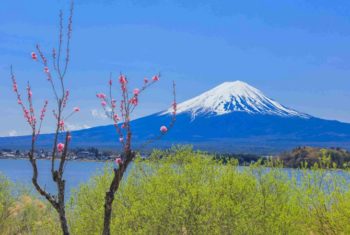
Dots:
{"x": 12, "y": 133}
{"x": 98, "y": 114}
{"x": 73, "y": 127}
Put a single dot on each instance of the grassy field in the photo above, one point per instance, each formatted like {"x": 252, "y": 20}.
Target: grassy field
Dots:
{"x": 180, "y": 191}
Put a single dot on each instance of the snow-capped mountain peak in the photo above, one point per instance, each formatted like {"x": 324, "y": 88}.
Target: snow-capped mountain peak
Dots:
{"x": 234, "y": 96}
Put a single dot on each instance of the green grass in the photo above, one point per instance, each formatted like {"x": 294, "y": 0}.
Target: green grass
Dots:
{"x": 187, "y": 192}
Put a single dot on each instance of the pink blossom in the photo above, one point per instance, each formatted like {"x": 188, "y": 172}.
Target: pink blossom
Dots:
{"x": 60, "y": 147}
{"x": 122, "y": 80}
{"x": 174, "y": 108}
{"x": 136, "y": 91}
{"x": 118, "y": 161}
{"x": 134, "y": 100}
{"x": 103, "y": 103}
{"x": 69, "y": 137}
{"x": 124, "y": 88}
{"x": 76, "y": 109}
{"x": 163, "y": 129}
{"x": 61, "y": 124}
{"x": 155, "y": 78}
{"x": 101, "y": 96}
{"x": 34, "y": 56}
{"x": 113, "y": 103}
{"x": 65, "y": 99}
{"x": 43, "y": 110}
{"x": 46, "y": 70}
{"x": 116, "y": 118}
{"x": 19, "y": 101}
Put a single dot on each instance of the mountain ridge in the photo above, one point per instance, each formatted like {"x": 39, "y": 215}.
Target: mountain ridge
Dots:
{"x": 260, "y": 126}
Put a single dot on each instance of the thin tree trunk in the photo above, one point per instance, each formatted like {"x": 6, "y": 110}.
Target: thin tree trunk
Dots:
{"x": 109, "y": 198}
{"x": 61, "y": 185}
{"x": 63, "y": 220}
{"x": 57, "y": 202}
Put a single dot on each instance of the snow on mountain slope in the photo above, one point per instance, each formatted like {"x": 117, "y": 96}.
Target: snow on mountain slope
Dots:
{"x": 235, "y": 96}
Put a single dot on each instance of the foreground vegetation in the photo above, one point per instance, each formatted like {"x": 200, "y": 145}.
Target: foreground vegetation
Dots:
{"x": 180, "y": 191}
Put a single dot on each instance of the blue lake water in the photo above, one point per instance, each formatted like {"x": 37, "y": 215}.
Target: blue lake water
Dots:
{"x": 76, "y": 172}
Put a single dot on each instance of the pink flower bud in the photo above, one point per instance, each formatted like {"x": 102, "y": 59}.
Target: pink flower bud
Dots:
{"x": 123, "y": 87}
{"x": 110, "y": 82}
{"x": 121, "y": 139}
{"x": 122, "y": 80}
{"x": 134, "y": 100}
{"x": 155, "y": 78}
{"x": 118, "y": 161}
{"x": 136, "y": 91}
{"x": 103, "y": 103}
{"x": 76, "y": 109}
{"x": 163, "y": 129}
{"x": 61, "y": 125}
{"x": 46, "y": 70}
{"x": 60, "y": 147}
{"x": 69, "y": 137}
{"x": 34, "y": 56}
{"x": 145, "y": 80}
{"x": 101, "y": 96}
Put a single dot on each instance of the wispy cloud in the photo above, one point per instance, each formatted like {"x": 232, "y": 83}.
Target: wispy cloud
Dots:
{"x": 98, "y": 114}
{"x": 12, "y": 133}
{"x": 73, "y": 127}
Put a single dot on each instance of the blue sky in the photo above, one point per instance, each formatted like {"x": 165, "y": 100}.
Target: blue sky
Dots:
{"x": 296, "y": 52}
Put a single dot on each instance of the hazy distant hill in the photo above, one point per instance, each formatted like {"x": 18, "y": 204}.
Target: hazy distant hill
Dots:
{"x": 310, "y": 155}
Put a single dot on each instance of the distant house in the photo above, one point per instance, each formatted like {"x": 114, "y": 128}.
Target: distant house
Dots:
{"x": 85, "y": 154}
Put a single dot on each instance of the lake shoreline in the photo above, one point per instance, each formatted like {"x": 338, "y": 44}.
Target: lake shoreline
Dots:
{"x": 49, "y": 159}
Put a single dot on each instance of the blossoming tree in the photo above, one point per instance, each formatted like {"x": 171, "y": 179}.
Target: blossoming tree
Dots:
{"x": 62, "y": 137}
{"x": 121, "y": 117}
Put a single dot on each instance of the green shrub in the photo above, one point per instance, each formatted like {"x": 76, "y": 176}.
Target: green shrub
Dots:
{"x": 22, "y": 213}
{"x": 6, "y": 201}
{"x": 185, "y": 192}
{"x": 181, "y": 191}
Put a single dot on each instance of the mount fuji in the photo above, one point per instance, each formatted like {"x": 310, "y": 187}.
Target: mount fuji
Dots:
{"x": 232, "y": 117}
{"x": 234, "y": 97}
